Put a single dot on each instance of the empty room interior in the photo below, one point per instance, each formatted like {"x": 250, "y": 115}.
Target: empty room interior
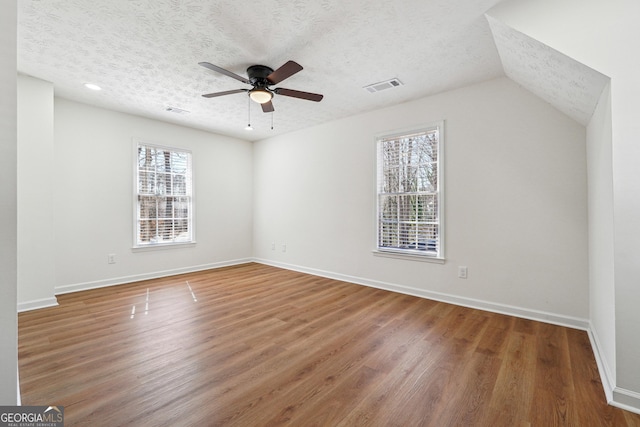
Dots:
{"x": 177, "y": 250}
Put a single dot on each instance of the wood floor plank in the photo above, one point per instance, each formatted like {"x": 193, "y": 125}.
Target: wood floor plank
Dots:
{"x": 512, "y": 396}
{"x": 255, "y": 345}
{"x": 554, "y": 387}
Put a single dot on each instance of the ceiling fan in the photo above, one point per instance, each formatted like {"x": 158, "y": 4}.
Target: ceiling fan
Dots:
{"x": 261, "y": 77}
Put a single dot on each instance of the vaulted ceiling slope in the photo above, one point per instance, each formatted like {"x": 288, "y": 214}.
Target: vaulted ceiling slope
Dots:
{"x": 565, "y": 83}
{"x": 145, "y": 53}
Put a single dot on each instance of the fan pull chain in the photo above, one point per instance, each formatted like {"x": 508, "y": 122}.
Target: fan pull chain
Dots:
{"x": 248, "y": 115}
{"x": 272, "y": 120}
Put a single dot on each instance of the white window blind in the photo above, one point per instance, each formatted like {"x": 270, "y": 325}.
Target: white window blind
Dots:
{"x": 409, "y": 183}
{"x": 164, "y": 196}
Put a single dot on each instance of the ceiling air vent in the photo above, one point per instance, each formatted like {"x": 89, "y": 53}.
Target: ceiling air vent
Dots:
{"x": 176, "y": 110}
{"x": 388, "y": 84}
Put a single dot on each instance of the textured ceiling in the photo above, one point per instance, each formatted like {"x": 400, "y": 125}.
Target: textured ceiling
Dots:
{"x": 145, "y": 54}
{"x": 570, "y": 86}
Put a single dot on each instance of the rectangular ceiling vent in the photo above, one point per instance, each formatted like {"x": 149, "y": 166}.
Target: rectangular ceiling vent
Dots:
{"x": 176, "y": 110}
{"x": 388, "y": 84}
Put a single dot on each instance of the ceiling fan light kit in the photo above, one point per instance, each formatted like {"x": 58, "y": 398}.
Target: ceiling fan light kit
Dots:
{"x": 260, "y": 95}
{"x": 261, "y": 77}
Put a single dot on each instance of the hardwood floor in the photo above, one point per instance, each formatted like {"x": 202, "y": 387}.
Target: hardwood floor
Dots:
{"x": 254, "y": 345}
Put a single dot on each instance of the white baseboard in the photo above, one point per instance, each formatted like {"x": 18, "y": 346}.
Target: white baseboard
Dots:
{"x": 19, "y": 397}
{"x": 606, "y": 378}
{"x": 76, "y": 287}
{"x": 37, "y": 304}
{"x": 616, "y": 396}
{"x": 626, "y": 399}
{"x": 542, "y": 316}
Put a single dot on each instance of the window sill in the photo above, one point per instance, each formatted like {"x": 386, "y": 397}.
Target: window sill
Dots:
{"x": 163, "y": 246}
{"x": 408, "y": 256}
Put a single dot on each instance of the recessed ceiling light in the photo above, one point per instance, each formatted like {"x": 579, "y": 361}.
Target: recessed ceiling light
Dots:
{"x": 92, "y": 86}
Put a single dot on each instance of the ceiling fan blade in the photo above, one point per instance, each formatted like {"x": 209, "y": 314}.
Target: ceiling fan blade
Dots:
{"x": 299, "y": 94}
{"x": 226, "y": 92}
{"x": 284, "y": 72}
{"x": 225, "y": 72}
{"x": 267, "y": 107}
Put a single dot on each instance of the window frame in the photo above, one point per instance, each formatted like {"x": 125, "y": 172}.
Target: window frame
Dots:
{"x": 137, "y": 245}
{"x": 412, "y": 254}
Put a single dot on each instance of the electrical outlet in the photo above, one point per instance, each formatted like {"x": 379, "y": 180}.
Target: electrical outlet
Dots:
{"x": 462, "y": 272}
{"x": 111, "y": 258}
{"x": 284, "y": 247}
{"x": 273, "y": 246}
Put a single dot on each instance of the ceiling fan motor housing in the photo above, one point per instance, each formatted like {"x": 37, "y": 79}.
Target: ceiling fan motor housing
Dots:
{"x": 258, "y": 75}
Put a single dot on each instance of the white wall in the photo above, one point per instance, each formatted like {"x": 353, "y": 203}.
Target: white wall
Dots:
{"x": 601, "y": 234}
{"x": 8, "y": 211}
{"x": 515, "y": 202}
{"x": 604, "y": 36}
{"x": 93, "y": 202}
{"x": 36, "y": 171}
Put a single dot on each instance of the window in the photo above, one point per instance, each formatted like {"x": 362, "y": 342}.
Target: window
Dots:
{"x": 163, "y": 197}
{"x": 409, "y": 192}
